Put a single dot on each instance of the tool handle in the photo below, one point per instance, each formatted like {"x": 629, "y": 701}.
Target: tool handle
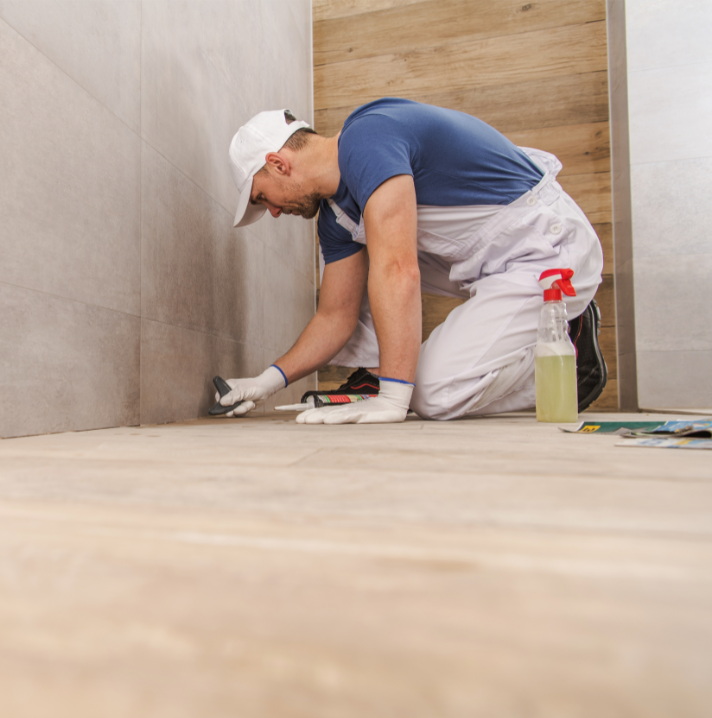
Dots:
{"x": 223, "y": 389}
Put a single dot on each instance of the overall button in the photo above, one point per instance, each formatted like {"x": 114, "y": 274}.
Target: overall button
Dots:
{"x": 555, "y": 228}
{"x": 531, "y": 201}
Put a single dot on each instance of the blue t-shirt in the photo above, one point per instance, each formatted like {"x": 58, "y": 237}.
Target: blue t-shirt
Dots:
{"x": 455, "y": 160}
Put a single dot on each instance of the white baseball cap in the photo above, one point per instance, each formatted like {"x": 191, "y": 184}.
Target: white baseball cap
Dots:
{"x": 264, "y": 133}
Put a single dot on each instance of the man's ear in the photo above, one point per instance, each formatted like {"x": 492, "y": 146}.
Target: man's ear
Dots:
{"x": 279, "y": 164}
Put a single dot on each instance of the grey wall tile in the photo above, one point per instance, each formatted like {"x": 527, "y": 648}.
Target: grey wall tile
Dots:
{"x": 197, "y": 271}
{"x": 71, "y": 208}
{"x": 65, "y": 365}
{"x": 206, "y": 69}
{"x": 288, "y": 304}
{"x": 72, "y": 213}
{"x": 671, "y": 207}
{"x": 180, "y": 89}
{"x": 301, "y": 11}
{"x": 97, "y": 43}
{"x": 673, "y": 303}
{"x": 305, "y": 304}
{"x": 670, "y": 109}
{"x": 675, "y": 380}
{"x": 292, "y": 53}
{"x": 668, "y": 32}
{"x": 177, "y": 368}
{"x": 670, "y": 102}
{"x": 254, "y": 75}
{"x": 292, "y": 238}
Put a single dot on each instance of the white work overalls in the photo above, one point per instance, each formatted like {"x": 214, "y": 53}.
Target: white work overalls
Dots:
{"x": 480, "y": 360}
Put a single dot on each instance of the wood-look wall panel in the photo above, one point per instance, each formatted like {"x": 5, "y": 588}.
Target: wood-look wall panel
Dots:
{"x": 548, "y": 102}
{"x": 592, "y": 192}
{"x": 608, "y": 401}
{"x": 605, "y": 298}
{"x": 441, "y": 22}
{"x": 330, "y": 9}
{"x": 332, "y": 377}
{"x": 535, "y": 71}
{"x": 552, "y": 102}
{"x": 554, "y": 52}
{"x": 604, "y": 230}
{"x": 582, "y": 149}
{"x": 436, "y": 310}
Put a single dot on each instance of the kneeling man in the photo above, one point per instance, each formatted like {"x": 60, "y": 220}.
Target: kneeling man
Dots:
{"x": 413, "y": 197}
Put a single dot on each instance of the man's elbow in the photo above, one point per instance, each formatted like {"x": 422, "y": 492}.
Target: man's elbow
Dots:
{"x": 399, "y": 271}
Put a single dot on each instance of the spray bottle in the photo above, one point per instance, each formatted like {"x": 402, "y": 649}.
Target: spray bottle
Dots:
{"x": 555, "y": 355}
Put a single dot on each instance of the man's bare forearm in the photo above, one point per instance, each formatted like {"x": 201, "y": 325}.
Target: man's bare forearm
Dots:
{"x": 394, "y": 294}
{"x": 394, "y": 277}
{"x": 342, "y": 289}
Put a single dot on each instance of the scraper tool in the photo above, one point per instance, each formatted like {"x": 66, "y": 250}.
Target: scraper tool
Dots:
{"x": 223, "y": 389}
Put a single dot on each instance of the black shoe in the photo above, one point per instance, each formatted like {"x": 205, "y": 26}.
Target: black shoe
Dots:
{"x": 360, "y": 382}
{"x": 591, "y": 369}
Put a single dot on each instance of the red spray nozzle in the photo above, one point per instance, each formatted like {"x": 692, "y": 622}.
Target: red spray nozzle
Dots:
{"x": 556, "y": 281}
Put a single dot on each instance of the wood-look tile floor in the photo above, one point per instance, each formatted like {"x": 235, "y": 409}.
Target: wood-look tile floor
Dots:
{"x": 493, "y": 567}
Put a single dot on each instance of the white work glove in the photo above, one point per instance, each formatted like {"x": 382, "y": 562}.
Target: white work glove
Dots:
{"x": 389, "y": 407}
{"x": 252, "y": 392}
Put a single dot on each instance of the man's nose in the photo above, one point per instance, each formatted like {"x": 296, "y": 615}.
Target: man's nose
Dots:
{"x": 274, "y": 211}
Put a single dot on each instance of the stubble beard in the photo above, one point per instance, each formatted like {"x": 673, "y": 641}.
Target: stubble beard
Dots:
{"x": 306, "y": 207}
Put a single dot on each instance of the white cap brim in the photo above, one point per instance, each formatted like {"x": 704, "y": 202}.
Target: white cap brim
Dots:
{"x": 266, "y": 132}
{"x": 247, "y": 213}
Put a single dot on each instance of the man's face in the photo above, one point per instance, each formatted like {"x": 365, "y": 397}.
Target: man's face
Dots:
{"x": 282, "y": 195}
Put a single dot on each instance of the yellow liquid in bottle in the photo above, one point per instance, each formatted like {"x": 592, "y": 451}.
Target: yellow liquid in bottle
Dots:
{"x": 556, "y": 394}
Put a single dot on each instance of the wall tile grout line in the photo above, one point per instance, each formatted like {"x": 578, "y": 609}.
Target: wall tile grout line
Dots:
{"x": 69, "y": 299}
{"x": 139, "y": 134}
{"x": 676, "y": 159}
{"x": 74, "y": 81}
{"x": 140, "y": 210}
{"x": 204, "y": 333}
{"x": 675, "y": 351}
{"x": 140, "y": 317}
{"x": 210, "y": 197}
{"x": 667, "y": 67}
{"x": 132, "y": 130}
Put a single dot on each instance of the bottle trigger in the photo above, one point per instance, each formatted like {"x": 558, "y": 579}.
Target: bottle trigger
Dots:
{"x": 556, "y": 281}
